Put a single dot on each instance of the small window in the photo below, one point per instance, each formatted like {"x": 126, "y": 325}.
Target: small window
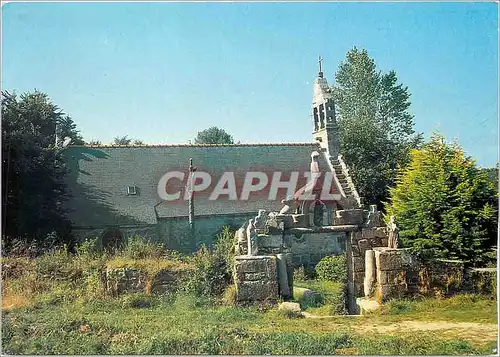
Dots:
{"x": 131, "y": 190}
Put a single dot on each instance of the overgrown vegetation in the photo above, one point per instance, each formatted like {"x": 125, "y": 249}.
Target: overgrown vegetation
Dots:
{"x": 213, "y": 267}
{"x": 67, "y": 310}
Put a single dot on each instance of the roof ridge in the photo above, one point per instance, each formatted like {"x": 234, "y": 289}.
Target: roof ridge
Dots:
{"x": 196, "y": 145}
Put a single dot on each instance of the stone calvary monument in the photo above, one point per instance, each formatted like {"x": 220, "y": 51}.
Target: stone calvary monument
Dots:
{"x": 267, "y": 248}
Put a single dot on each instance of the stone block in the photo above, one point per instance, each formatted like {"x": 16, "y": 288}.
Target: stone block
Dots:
{"x": 255, "y": 264}
{"x": 357, "y": 235}
{"x": 389, "y": 259}
{"x": 359, "y": 289}
{"x": 368, "y": 233}
{"x": 385, "y": 277}
{"x": 348, "y": 217}
{"x": 125, "y": 280}
{"x": 364, "y": 245}
{"x": 355, "y": 250}
{"x": 256, "y": 278}
{"x": 270, "y": 241}
{"x": 289, "y": 306}
{"x": 385, "y": 242}
{"x": 367, "y": 305}
{"x": 391, "y": 291}
{"x": 375, "y": 242}
{"x": 257, "y": 290}
{"x": 381, "y": 232}
{"x": 358, "y": 276}
{"x": 166, "y": 281}
{"x": 358, "y": 264}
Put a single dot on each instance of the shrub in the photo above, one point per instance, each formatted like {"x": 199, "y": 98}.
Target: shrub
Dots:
{"x": 332, "y": 268}
{"x": 224, "y": 247}
{"x": 445, "y": 206}
{"x": 299, "y": 274}
{"x": 229, "y": 297}
{"x": 89, "y": 249}
{"x": 56, "y": 265}
{"x": 138, "y": 248}
{"x": 210, "y": 275}
{"x": 213, "y": 267}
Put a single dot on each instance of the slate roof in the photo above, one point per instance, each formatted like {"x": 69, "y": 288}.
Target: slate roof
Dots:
{"x": 99, "y": 176}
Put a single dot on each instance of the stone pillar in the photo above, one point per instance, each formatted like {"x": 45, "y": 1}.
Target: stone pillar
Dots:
{"x": 283, "y": 276}
{"x": 370, "y": 273}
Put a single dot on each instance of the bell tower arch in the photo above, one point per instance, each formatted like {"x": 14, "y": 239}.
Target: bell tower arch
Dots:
{"x": 325, "y": 126}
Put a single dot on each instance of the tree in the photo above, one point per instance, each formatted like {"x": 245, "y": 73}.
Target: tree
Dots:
{"x": 122, "y": 140}
{"x": 444, "y": 205}
{"x": 67, "y": 128}
{"x": 376, "y": 128}
{"x": 492, "y": 173}
{"x": 138, "y": 142}
{"x": 94, "y": 142}
{"x": 213, "y": 135}
{"x": 33, "y": 189}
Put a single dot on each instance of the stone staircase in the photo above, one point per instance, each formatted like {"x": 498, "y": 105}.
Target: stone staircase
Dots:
{"x": 348, "y": 191}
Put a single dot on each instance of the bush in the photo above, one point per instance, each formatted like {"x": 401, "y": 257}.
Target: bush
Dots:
{"x": 213, "y": 267}
{"x": 299, "y": 274}
{"x": 332, "y": 268}
{"x": 445, "y": 206}
{"x": 89, "y": 249}
{"x": 138, "y": 248}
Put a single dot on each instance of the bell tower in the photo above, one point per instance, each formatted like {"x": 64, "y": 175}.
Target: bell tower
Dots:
{"x": 326, "y": 130}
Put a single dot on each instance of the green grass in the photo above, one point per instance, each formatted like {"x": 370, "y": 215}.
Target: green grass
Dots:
{"x": 458, "y": 308}
{"x": 329, "y": 297}
{"x": 140, "y": 324}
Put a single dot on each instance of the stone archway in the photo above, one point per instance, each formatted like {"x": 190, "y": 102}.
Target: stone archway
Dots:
{"x": 112, "y": 239}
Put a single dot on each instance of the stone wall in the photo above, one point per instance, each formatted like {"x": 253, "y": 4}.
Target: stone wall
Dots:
{"x": 396, "y": 274}
{"x": 175, "y": 233}
{"x": 358, "y": 242}
{"x": 120, "y": 280}
{"x": 309, "y": 248}
{"x": 256, "y": 278}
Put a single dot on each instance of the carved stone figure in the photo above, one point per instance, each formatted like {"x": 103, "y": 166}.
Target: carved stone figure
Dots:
{"x": 253, "y": 248}
{"x": 290, "y": 205}
{"x": 374, "y": 218}
{"x": 393, "y": 233}
{"x": 260, "y": 221}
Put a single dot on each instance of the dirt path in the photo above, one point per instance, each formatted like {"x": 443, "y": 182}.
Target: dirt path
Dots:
{"x": 477, "y": 331}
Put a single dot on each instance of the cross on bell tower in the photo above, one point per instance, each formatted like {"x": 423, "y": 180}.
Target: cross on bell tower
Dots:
{"x": 320, "y": 73}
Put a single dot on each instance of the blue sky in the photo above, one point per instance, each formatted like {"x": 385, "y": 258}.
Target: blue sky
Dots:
{"x": 161, "y": 72}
